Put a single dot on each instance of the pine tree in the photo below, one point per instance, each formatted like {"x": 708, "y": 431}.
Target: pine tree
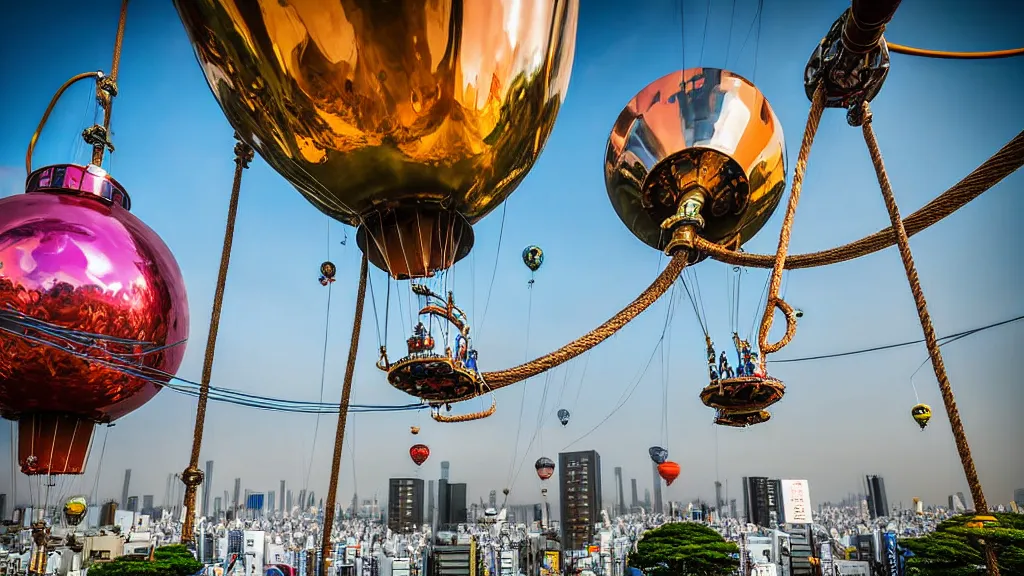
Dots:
{"x": 955, "y": 549}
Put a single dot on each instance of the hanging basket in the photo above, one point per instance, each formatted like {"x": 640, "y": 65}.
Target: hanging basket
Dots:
{"x": 743, "y": 394}
{"x": 435, "y": 378}
{"x": 742, "y": 419}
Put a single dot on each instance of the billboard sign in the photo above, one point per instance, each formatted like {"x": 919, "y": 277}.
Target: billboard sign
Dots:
{"x": 796, "y": 502}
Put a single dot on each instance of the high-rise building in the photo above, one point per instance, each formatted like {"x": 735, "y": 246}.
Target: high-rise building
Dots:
{"x": 217, "y": 506}
{"x": 1018, "y": 496}
{"x": 147, "y": 504}
{"x": 878, "y": 504}
{"x": 579, "y": 481}
{"x": 282, "y": 497}
{"x": 288, "y": 501}
{"x": 719, "y": 503}
{"x": 207, "y": 487}
{"x": 634, "y": 501}
{"x": 620, "y": 500}
{"x": 444, "y": 469}
{"x": 659, "y": 507}
{"x": 431, "y": 493}
{"x": 963, "y": 499}
{"x": 108, "y": 513}
{"x": 451, "y": 504}
{"x": 124, "y": 489}
{"x": 492, "y": 499}
{"x": 405, "y": 505}
{"x": 956, "y": 504}
{"x": 3, "y": 507}
{"x": 762, "y": 501}
{"x": 312, "y": 499}
{"x": 133, "y": 504}
{"x": 647, "y": 499}
{"x": 237, "y": 502}
{"x": 732, "y": 508}
{"x": 271, "y": 501}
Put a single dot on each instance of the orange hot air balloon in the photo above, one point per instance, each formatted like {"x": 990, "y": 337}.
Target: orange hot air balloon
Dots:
{"x": 669, "y": 471}
{"x": 419, "y": 453}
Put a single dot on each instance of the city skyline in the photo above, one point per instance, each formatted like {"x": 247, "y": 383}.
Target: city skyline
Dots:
{"x": 841, "y": 418}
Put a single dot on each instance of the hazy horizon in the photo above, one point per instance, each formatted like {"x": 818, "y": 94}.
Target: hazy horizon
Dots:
{"x": 842, "y": 418}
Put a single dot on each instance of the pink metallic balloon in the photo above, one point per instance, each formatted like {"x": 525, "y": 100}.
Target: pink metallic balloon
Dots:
{"x": 71, "y": 254}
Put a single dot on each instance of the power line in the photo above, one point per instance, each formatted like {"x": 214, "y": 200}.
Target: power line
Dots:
{"x": 942, "y": 340}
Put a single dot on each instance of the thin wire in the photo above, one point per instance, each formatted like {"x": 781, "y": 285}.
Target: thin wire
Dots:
{"x": 732, "y": 24}
{"x": 323, "y": 361}
{"x": 707, "y": 19}
{"x": 944, "y": 339}
{"x": 494, "y": 272}
{"x": 522, "y": 400}
{"x": 99, "y": 468}
{"x": 757, "y": 43}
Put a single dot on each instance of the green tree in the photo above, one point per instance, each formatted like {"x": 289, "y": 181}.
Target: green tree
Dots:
{"x": 684, "y": 548}
{"x": 954, "y": 549}
{"x": 174, "y": 560}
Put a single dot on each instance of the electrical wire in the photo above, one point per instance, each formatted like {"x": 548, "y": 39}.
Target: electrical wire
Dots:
{"x": 943, "y": 340}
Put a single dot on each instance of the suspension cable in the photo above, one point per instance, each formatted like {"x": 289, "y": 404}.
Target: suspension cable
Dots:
{"x": 946, "y": 54}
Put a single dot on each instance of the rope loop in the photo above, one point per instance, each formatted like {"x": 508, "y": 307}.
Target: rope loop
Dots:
{"x": 773, "y": 347}
{"x": 438, "y": 417}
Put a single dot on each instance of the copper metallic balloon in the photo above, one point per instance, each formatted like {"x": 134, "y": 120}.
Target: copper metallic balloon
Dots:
{"x": 704, "y": 132}
{"x": 74, "y": 257}
{"x": 410, "y": 119}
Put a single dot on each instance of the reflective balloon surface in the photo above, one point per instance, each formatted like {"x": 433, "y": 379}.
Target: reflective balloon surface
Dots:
{"x": 84, "y": 263}
{"x": 412, "y": 119}
{"x": 658, "y": 454}
{"x": 699, "y": 129}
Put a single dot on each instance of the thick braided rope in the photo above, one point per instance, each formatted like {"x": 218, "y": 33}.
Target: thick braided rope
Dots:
{"x": 192, "y": 475}
{"x": 931, "y": 340}
{"x": 1000, "y": 165}
{"x": 775, "y": 281}
{"x": 438, "y": 417}
{"x": 661, "y": 284}
{"x": 339, "y": 434}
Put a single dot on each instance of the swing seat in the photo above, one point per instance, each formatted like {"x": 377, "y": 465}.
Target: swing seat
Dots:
{"x": 743, "y": 394}
{"x": 434, "y": 378}
{"x": 742, "y": 419}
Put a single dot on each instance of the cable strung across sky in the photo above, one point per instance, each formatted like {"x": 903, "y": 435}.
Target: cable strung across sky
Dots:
{"x": 20, "y": 326}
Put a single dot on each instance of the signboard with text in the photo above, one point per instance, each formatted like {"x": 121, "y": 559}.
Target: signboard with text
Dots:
{"x": 796, "y": 502}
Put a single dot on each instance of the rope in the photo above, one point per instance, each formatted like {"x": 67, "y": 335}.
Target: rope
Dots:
{"x": 438, "y": 417}
{"x": 911, "y": 51}
{"x": 192, "y": 476}
{"x": 931, "y": 341}
{"x": 775, "y": 282}
{"x": 108, "y": 97}
{"x": 661, "y": 284}
{"x": 49, "y": 110}
{"x": 1000, "y": 165}
{"x": 339, "y": 436}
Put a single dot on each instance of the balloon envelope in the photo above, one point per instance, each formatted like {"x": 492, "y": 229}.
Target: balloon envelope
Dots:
{"x": 658, "y": 454}
{"x": 419, "y": 453}
{"x": 669, "y": 471}
{"x": 563, "y": 416}
{"x": 545, "y": 467}
{"x": 411, "y": 120}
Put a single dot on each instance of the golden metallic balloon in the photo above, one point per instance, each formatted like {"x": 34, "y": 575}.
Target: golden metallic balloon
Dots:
{"x": 699, "y": 148}
{"x": 410, "y": 119}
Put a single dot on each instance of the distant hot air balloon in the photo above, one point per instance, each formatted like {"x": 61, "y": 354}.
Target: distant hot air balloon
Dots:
{"x": 545, "y": 467}
{"x": 533, "y": 257}
{"x": 658, "y": 454}
{"x": 74, "y": 510}
{"x": 563, "y": 416}
{"x": 669, "y": 471}
{"x": 922, "y": 413}
{"x": 414, "y": 429}
{"x": 419, "y": 453}
{"x": 505, "y": 491}
{"x": 328, "y": 271}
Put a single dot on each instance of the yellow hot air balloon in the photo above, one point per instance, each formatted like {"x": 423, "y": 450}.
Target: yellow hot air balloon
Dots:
{"x": 922, "y": 413}
{"x": 74, "y": 510}
{"x": 411, "y": 120}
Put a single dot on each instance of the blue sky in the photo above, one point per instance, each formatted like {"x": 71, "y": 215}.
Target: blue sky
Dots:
{"x": 935, "y": 120}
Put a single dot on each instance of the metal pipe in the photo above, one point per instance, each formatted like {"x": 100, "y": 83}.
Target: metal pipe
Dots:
{"x": 863, "y": 29}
